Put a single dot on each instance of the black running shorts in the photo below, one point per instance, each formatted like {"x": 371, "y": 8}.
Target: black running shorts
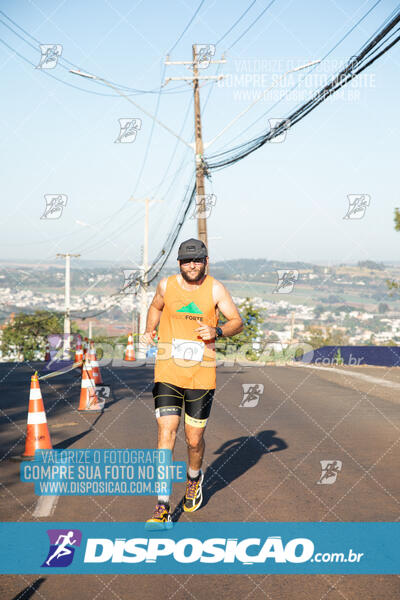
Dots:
{"x": 169, "y": 399}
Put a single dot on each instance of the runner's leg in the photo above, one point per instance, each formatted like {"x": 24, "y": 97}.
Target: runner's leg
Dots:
{"x": 195, "y": 446}
{"x": 168, "y": 401}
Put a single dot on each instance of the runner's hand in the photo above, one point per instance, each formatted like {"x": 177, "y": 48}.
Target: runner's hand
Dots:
{"x": 147, "y": 338}
{"x": 205, "y": 331}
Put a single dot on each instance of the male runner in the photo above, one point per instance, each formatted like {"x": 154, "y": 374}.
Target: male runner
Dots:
{"x": 186, "y": 306}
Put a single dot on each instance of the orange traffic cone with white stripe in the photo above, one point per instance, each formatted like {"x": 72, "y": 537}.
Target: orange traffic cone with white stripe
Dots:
{"x": 78, "y": 351}
{"x": 95, "y": 365}
{"x": 130, "y": 352}
{"x": 37, "y": 433}
{"x": 88, "y": 399}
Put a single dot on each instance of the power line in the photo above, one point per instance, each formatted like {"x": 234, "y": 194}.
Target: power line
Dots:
{"x": 252, "y": 24}
{"x": 187, "y": 27}
{"x": 236, "y": 22}
{"x": 313, "y": 68}
{"x": 134, "y": 91}
{"x": 363, "y": 59}
{"x": 354, "y": 67}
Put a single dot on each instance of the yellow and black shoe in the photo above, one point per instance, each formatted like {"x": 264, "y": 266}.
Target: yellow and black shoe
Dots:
{"x": 161, "y": 518}
{"x": 194, "y": 493}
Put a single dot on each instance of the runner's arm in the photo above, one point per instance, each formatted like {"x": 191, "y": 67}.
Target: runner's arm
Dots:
{"x": 154, "y": 312}
{"x": 228, "y": 308}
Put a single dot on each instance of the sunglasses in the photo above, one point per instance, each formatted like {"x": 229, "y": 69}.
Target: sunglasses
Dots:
{"x": 197, "y": 261}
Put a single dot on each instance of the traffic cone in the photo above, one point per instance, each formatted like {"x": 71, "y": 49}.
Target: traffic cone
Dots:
{"x": 78, "y": 351}
{"x": 47, "y": 356}
{"x": 95, "y": 365}
{"x": 88, "y": 399}
{"x": 37, "y": 432}
{"x": 130, "y": 352}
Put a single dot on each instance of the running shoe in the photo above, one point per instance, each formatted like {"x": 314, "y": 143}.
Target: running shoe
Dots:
{"x": 161, "y": 518}
{"x": 194, "y": 494}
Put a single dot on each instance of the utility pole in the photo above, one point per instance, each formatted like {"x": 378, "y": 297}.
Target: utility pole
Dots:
{"x": 198, "y": 138}
{"x": 199, "y": 150}
{"x": 144, "y": 284}
{"x": 198, "y": 145}
{"x": 67, "y": 321}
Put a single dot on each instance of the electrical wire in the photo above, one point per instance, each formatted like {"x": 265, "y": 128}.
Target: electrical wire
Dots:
{"x": 358, "y": 62}
{"x": 62, "y": 60}
{"x": 236, "y": 22}
{"x": 309, "y": 71}
{"x": 187, "y": 27}
{"x": 252, "y": 24}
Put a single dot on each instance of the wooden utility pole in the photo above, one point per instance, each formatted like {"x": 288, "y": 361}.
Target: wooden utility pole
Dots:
{"x": 198, "y": 139}
{"x": 199, "y": 151}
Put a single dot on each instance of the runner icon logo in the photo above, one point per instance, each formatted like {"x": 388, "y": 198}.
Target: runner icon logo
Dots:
{"x": 358, "y": 204}
{"x": 330, "y": 470}
{"x": 103, "y": 393}
{"x": 251, "y": 394}
{"x": 62, "y": 547}
{"x": 286, "y": 280}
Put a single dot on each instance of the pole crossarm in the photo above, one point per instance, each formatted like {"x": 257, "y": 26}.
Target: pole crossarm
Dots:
{"x": 221, "y": 61}
{"x": 215, "y": 77}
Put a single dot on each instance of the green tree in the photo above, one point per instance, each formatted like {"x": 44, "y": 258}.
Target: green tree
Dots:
{"x": 316, "y": 338}
{"x": 338, "y": 357}
{"x": 252, "y": 320}
{"x": 28, "y": 333}
{"x": 333, "y": 337}
{"x": 391, "y": 284}
{"x": 397, "y": 219}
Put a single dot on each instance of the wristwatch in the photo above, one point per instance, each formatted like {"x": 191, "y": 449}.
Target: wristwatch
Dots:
{"x": 218, "y": 332}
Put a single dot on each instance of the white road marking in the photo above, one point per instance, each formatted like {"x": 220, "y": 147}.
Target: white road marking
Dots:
{"x": 45, "y": 506}
{"x": 377, "y": 380}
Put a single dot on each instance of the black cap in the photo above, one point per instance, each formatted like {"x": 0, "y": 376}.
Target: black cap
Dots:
{"x": 192, "y": 249}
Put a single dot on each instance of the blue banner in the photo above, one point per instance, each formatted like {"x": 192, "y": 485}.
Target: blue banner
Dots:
{"x": 218, "y": 548}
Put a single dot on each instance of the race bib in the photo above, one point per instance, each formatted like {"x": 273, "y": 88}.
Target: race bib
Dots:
{"x": 187, "y": 349}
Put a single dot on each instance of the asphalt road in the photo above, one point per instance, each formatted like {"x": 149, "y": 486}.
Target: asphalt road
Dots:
{"x": 262, "y": 463}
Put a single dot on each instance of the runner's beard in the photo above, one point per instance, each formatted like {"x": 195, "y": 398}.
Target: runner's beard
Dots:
{"x": 190, "y": 277}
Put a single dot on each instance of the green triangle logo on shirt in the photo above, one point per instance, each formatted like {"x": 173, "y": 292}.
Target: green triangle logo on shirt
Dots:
{"x": 190, "y": 308}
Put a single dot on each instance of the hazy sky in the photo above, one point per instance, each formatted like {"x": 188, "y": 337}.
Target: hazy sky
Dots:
{"x": 286, "y": 201}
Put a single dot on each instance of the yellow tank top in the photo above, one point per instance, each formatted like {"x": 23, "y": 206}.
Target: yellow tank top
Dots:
{"x": 183, "y": 358}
